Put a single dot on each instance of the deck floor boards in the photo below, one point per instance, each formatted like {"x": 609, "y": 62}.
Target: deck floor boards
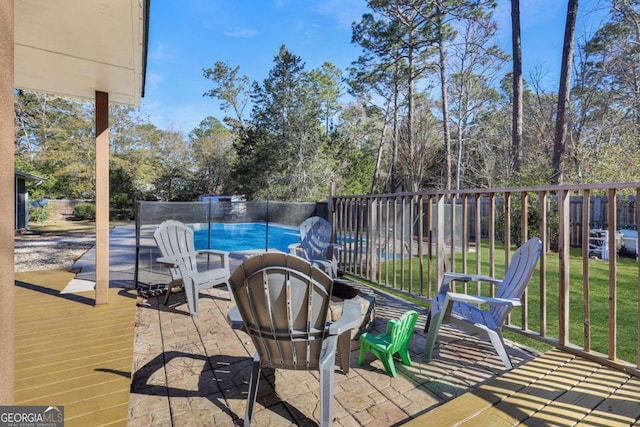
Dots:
{"x": 71, "y": 353}
{"x": 193, "y": 371}
{"x": 556, "y": 388}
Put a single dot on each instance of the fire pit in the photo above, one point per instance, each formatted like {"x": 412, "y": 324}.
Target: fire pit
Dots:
{"x": 344, "y": 289}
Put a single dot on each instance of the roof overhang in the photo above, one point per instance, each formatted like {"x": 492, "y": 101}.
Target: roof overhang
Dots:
{"x": 74, "y": 48}
{"x": 29, "y": 177}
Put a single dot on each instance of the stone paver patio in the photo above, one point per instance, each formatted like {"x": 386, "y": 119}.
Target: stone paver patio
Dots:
{"x": 194, "y": 371}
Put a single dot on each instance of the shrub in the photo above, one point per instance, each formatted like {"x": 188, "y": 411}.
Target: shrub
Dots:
{"x": 39, "y": 214}
{"x": 123, "y": 214}
{"x": 533, "y": 221}
{"x": 85, "y": 211}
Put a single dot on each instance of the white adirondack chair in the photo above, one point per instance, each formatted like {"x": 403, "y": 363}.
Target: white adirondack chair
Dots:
{"x": 315, "y": 245}
{"x": 464, "y": 310}
{"x": 175, "y": 241}
{"x": 282, "y": 304}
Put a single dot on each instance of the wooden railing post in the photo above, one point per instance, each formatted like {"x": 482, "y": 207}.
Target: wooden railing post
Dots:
{"x": 420, "y": 245}
{"x": 563, "y": 267}
{"x": 387, "y": 246}
{"x": 542, "y": 206}
{"x": 613, "y": 262}
{"x": 586, "y": 305}
{"x": 332, "y": 210}
{"x": 430, "y": 284}
{"x": 524, "y": 236}
{"x": 372, "y": 233}
{"x": 465, "y": 231}
{"x": 452, "y": 232}
{"x": 478, "y": 234}
{"x": 410, "y": 235}
{"x": 441, "y": 254}
{"x": 492, "y": 241}
{"x": 507, "y": 228}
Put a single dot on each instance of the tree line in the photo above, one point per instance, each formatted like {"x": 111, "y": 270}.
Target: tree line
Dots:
{"x": 431, "y": 102}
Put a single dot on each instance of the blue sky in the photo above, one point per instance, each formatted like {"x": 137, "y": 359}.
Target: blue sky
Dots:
{"x": 189, "y": 35}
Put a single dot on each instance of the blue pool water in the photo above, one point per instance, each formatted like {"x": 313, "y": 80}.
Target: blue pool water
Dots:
{"x": 246, "y": 236}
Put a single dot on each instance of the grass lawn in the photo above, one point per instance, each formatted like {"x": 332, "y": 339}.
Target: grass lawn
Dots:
{"x": 598, "y": 310}
{"x": 64, "y": 226}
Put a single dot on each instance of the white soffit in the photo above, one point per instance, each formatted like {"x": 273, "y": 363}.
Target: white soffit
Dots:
{"x": 76, "y": 47}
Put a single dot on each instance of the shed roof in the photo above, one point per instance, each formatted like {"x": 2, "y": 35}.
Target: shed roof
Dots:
{"x": 29, "y": 177}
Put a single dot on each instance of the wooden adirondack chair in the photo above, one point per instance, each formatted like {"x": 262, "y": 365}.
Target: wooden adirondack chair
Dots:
{"x": 282, "y": 304}
{"x": 175, "y": 241}
{"x": 464, "y": 310}
{"x": 394, "y": 340}
{"x": 315, "y": 245}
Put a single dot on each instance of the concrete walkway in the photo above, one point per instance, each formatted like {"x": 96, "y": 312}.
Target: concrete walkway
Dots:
{"x": 195, "y": 371}
{"x": 122, "y": 259}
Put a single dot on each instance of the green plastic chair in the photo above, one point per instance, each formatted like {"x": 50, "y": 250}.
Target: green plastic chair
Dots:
{"x": 395, "y": 340}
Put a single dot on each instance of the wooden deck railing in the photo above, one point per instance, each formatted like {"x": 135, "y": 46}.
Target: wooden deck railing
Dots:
{"x": 405, "y": 241}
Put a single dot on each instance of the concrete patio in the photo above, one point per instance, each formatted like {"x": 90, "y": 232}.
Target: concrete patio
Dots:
{"x": 195, "y": 371}
{"x": 120, "y": 364}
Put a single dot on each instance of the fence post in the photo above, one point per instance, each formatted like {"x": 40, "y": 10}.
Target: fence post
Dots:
{"x": 613, "y": 254}
{"x": 332, "y": 211}
{"x": 563, "y": 268}
{"x": 371, "y": 234}
{"x": 441, "y": 255}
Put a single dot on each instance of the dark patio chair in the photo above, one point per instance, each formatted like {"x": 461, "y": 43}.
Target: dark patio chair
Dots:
{"x": 282, "y": 304}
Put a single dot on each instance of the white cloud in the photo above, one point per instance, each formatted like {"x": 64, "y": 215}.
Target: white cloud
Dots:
{"x": 241, "y": 33}
{"x": 157, "y": 53}
{"x": 152, "y": 81}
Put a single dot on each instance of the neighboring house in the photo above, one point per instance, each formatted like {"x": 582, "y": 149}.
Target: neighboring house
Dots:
{"x": 23, "y": 182}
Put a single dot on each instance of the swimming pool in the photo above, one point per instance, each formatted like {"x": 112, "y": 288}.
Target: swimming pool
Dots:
{"x": 235, "y": 237}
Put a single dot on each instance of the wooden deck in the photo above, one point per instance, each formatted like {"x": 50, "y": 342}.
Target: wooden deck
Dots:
{"x": 554, "y": 389}
{"x": 71, "y": 353}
